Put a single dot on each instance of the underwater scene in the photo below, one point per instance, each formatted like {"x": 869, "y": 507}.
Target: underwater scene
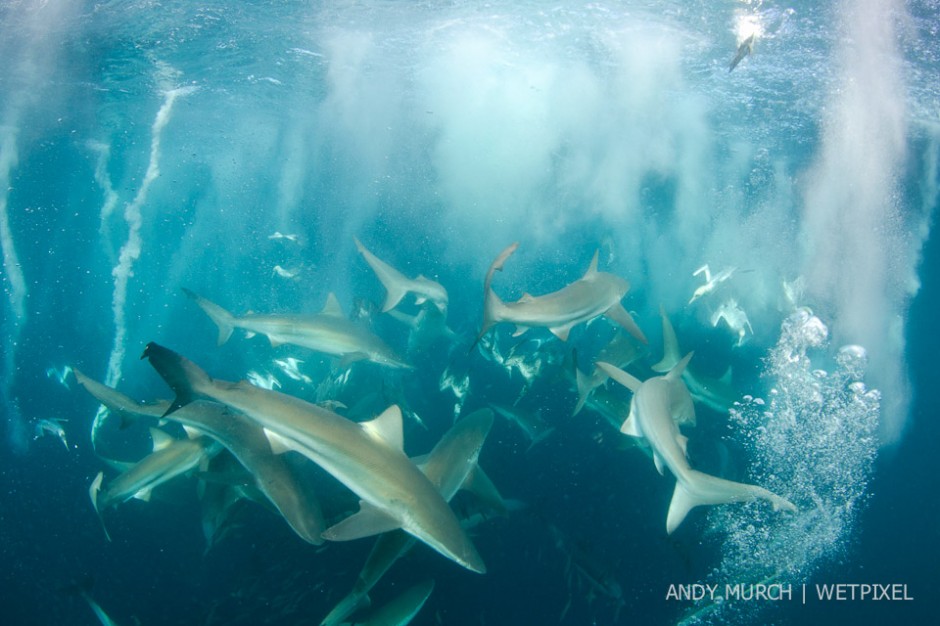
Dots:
{"x": 469, "y": 313}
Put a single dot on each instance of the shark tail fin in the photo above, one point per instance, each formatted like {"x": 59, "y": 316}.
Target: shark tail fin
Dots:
{"x": 222, "y": 318}
{"x": 670, "y": 345}
{"x": 182, "y": 375}
{"x": 394, "y": 292}
{"x": 585, "y": 387}
{"x": 493, "y": 304}
{"x": 700, "y": 489}
{"x": 93, "y": 491}
{"x": 355, "y": 601}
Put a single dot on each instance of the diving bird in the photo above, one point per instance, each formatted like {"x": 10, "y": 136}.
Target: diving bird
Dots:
{"x": 657, "y": 405}
{"x": 594, "y": 294}
{"x": 711, "y": 282}
{"x": 328, "y": 332}
{"x": 51, "y": 427}
{"x": 366, "y": 457}
{"x": 397, "y": 285}
{"x": 746, "y": 47}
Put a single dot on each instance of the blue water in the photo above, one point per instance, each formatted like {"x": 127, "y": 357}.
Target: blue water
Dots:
{"x": 146, "y": 147}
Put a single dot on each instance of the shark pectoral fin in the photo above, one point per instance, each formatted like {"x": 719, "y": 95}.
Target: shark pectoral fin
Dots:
{"x": 275, "y": 341}
{"x": 658, "y": 462}
{"x": 144, "y": 494}
{"x": 682, "y": 503}
{"x": 332, "y": 306}
{"x": 367, "y": 522}
{"x": 520, "y": 330}
{"x": 479, "y": 484}
{"x": 161, "y": 439}
{"x": 192, "y": 432}
{"x": 387, "y": 427}
{"x": 352, "y": 357}
{"x": 279, "y": 444}
{"x": 627, "y": 380}
{"x": 561, "y": 332}
{"x": 249, "y": 334}
{"x": 620, "y": 315}
{"x": 683, "y": 442}
{"x": 629, "y": 427}
{"x": 419, "y": 300}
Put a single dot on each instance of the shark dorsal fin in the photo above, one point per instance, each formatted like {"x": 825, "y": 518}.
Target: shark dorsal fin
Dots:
{"x": 676, "y": 372}
{"x": 191, "y": 432}
{"x": 526, "y": 297}
{"x": 592, "y": 269}
{"x": 387, "y": 427}
{"x": 332, "y": 306}
{"x": 670, "y": 344}
{"x": 161, "y": 439}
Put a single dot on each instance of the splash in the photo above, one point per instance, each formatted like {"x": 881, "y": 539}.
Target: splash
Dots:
{"x": 815, "y": 443}
{"x": 15, "y": 287}
{"x": 131, "y": 249}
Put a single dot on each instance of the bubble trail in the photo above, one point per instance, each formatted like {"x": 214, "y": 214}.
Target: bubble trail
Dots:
{"x": 814, "y": 442}
{"x": 15, "y": 287}
{"x": 131, "y": 249}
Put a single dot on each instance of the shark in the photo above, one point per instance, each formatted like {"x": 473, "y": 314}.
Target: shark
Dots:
{"x": 621, "y": 350}
{"x": 169, "y": 459}
{"x": 245, "y": 439}
{"x": 595, "y": 294}
{"x": 367, "y": 457}
{"x": 451, "y": 465}
{"x": 329, "y": 332}
{"x": 657, "y": 405}
{"x": 397, "y": 285}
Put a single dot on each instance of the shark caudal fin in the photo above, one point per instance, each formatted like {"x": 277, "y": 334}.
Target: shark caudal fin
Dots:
{"x": 700, "y": 489}
{"x": 182, "y": 375}
{"x": 492, "y": 304}
{"x": 585, "y": 385}
{"x": 93, "y": 492}
{"x": 222, "y": 318}
{"x": 395, "y": 283}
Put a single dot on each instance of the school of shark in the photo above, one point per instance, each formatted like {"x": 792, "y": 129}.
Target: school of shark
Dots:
{"x": 241, "y": 441}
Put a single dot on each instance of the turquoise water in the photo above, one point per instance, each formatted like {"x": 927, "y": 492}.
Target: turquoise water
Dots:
{"x": 149, "y": 147}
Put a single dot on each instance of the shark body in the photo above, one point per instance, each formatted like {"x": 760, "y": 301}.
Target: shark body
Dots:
{"x": 329, "y": 331}
{"x": 397, "y": 285}
{"x": 296, "y": 503}
{"x": 594, "y": 294}
{"x": 367, "y": 457}
{"x": 658, "y": 405}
